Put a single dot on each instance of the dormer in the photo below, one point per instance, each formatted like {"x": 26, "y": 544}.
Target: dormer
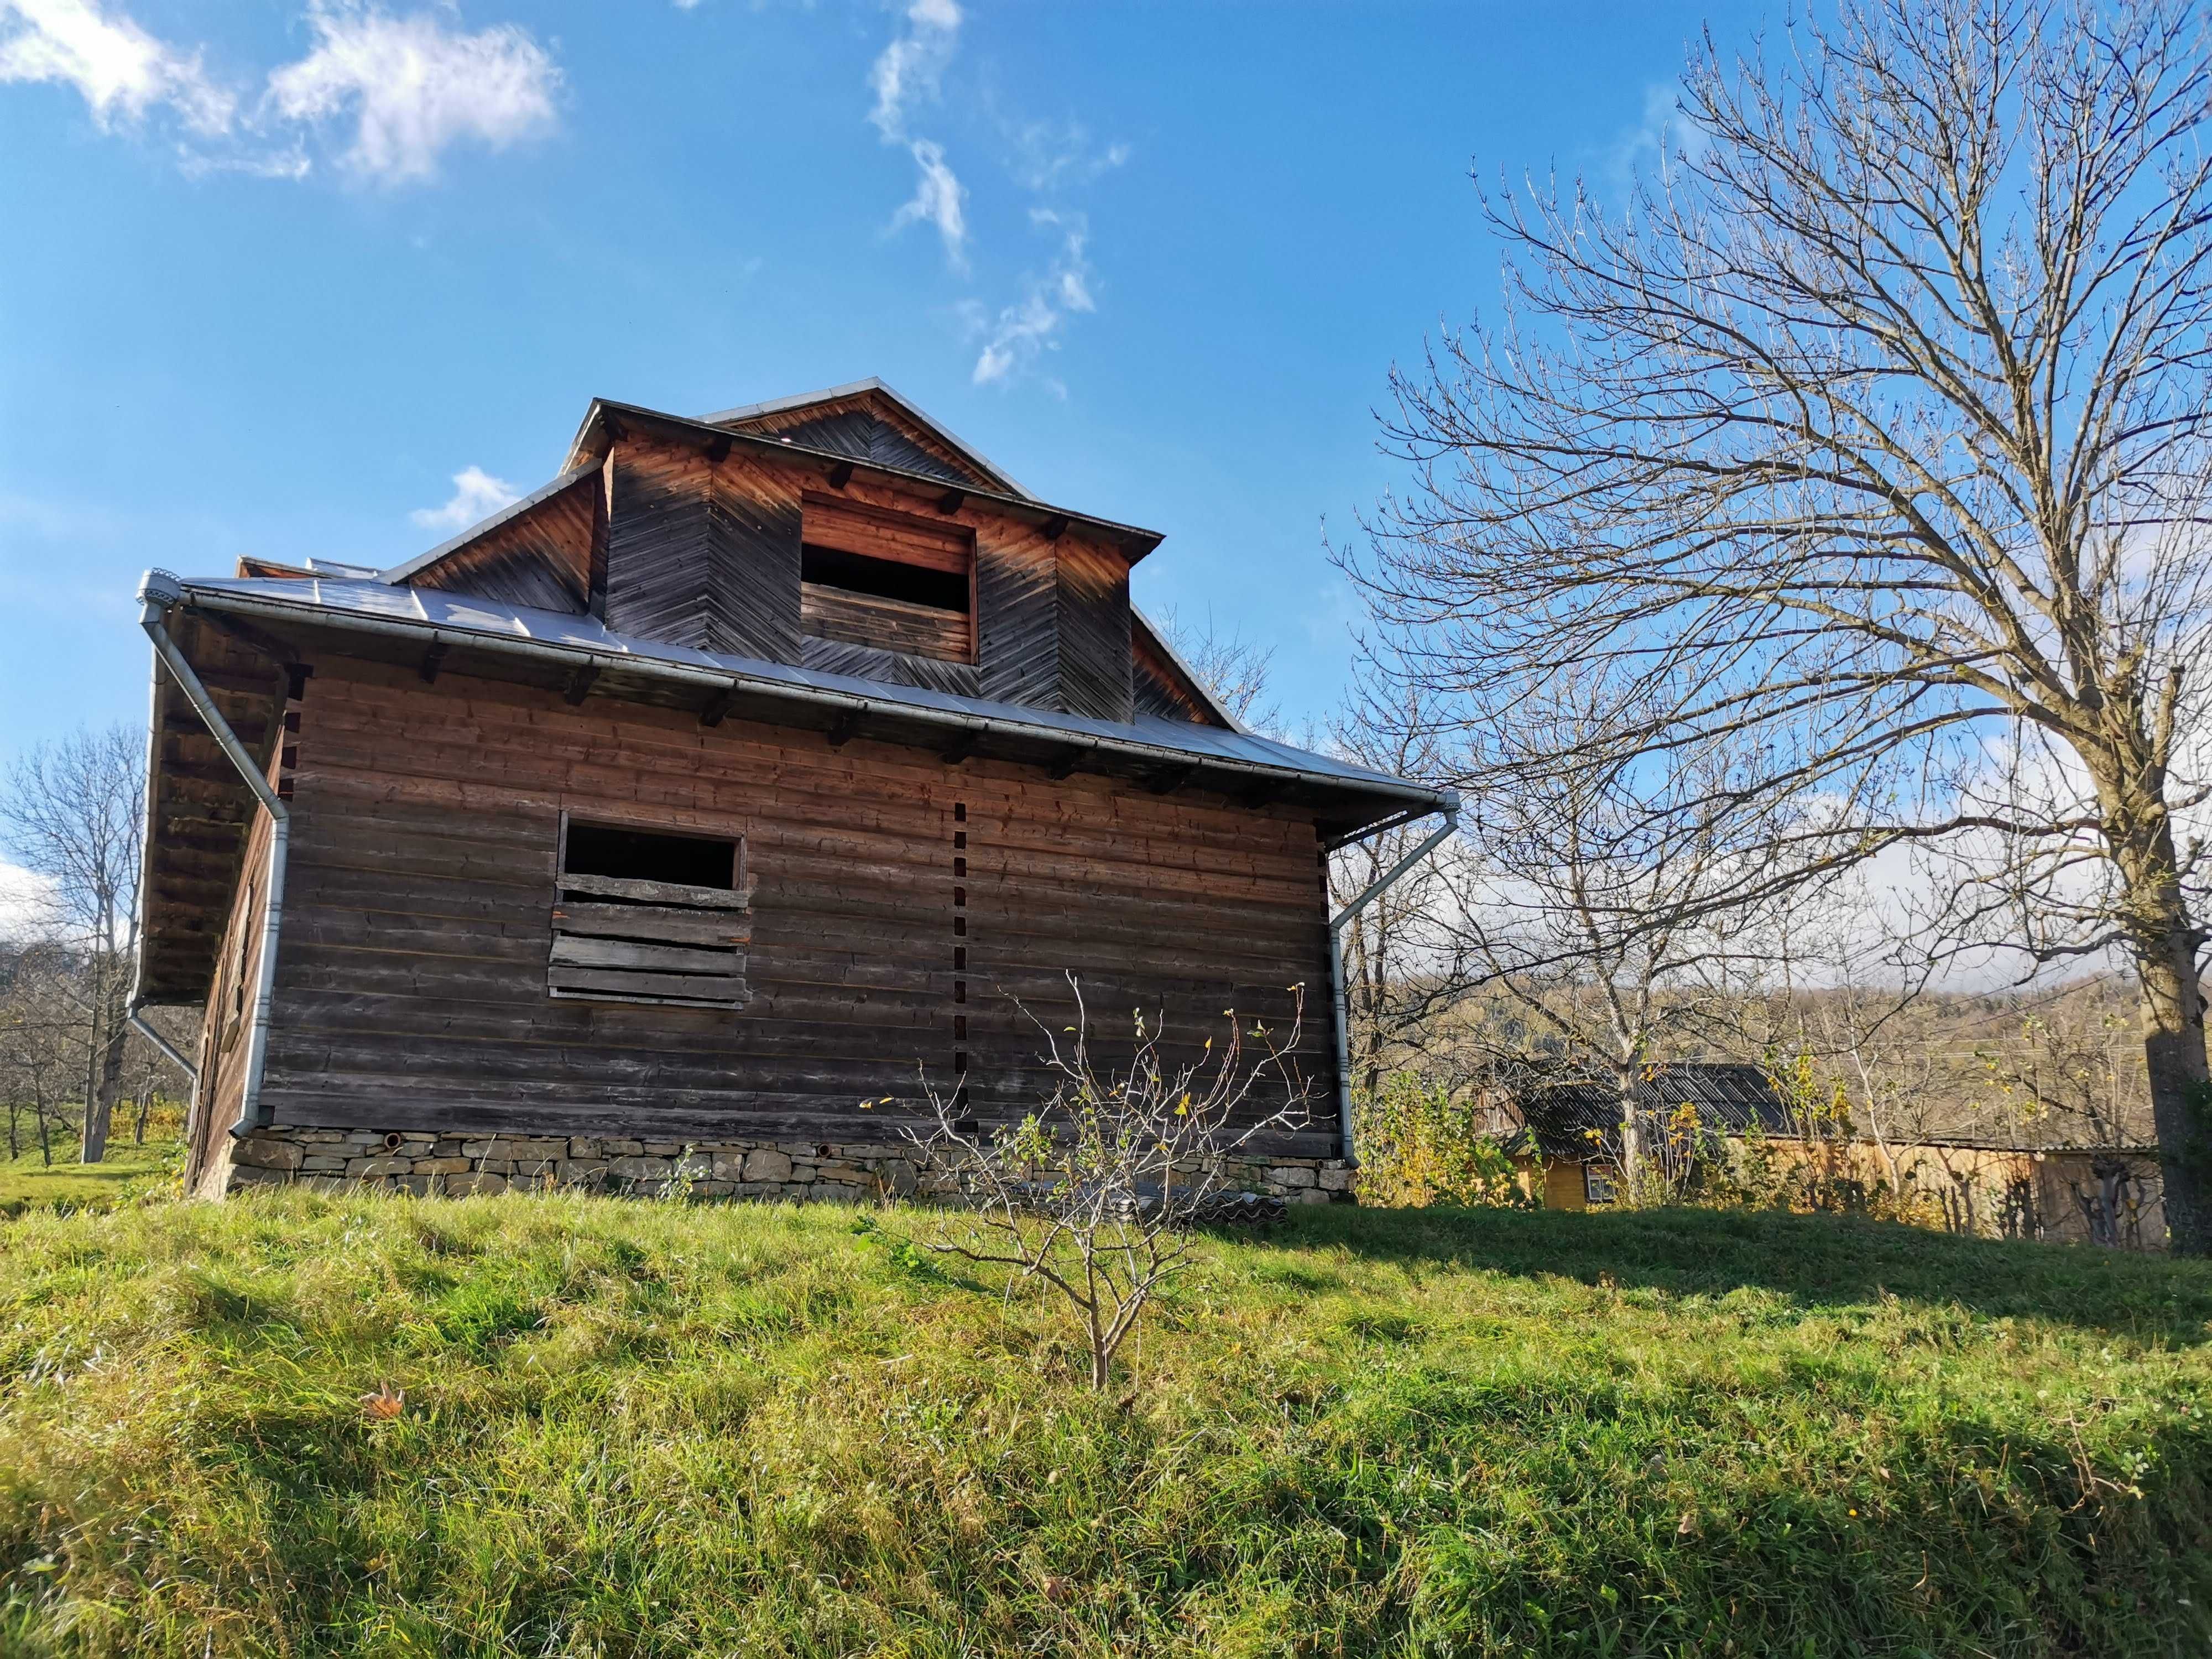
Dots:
{"x": 842, "y": 531}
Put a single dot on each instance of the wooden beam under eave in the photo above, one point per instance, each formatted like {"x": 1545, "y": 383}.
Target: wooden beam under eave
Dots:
{"x": 959, "y": 749}
{"x": 951, "y": 501}
{"x": 1169, "y": 779}
{"x": 717, "y": 709}
{"x": 847, "y": 727}
{"x": 718, "y": 450}
{"x": 840, "y": 475}
{"x": 1055, "y": 527}
{"x": 580, "y": 682}
{"x": 433, "y": 658}
{"x": 1064, "y": 763}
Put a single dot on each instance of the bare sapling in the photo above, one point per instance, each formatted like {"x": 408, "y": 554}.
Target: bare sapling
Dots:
{"x": 1098, "y": 1194}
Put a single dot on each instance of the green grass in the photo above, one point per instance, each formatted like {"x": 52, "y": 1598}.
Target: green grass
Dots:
{"x": 27, "y": 1183}
{"x": 637, "y": 1429}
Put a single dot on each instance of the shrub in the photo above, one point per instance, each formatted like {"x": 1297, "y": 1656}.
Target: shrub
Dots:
{"x": 1418, "y": 1146}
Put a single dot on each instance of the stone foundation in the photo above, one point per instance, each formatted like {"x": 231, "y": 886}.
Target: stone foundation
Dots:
{"x": 457, "y": 1166}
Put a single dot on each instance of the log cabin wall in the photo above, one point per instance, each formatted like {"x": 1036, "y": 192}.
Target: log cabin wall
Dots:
{"x": 898, "y": 906}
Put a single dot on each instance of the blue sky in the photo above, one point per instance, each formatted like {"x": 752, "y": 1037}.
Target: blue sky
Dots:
{"x": 294, "y": 278}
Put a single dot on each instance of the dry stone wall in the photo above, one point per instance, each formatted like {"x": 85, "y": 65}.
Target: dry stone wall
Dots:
{"x": 456, "y": 1166}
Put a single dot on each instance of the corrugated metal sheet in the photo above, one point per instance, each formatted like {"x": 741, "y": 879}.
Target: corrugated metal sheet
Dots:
{"x": 460, "y": 617}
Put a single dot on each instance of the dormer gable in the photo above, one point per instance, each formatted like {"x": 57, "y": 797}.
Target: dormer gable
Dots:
{"x": 841, "y": 533}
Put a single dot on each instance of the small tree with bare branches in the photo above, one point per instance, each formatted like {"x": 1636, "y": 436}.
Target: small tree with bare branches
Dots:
{"x": 1096, "y": 1195}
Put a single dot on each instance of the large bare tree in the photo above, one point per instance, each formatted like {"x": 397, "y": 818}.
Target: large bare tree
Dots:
{"x": 72, "y": 813}
{"x": 1876, "y": 428}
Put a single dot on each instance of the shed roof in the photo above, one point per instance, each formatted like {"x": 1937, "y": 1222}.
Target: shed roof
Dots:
{"x": 1571, "y": 1119}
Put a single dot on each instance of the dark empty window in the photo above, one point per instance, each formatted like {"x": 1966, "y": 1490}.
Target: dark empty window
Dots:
{"x": 884, "y": 579}
{"x": 891, "y": 581}
{"x": 650, "y": 915}
{"x": 598, "y": 849}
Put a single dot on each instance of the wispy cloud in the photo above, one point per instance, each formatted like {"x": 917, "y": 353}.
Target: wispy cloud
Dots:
{"x": 413, "y": 86}
{"x": 1050, "y": 156}
{"x": 1021, "y": 333}
{"x": 477, "y": 496}
{"x": 392, "y": 94}
{"x": 1663, "y": 135}
{"x": 124, "y": 73}
{"x": 909, "y": 71}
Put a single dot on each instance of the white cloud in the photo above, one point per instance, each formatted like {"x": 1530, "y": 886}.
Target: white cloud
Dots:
{"x": 937, "y": 198}
{"x": 1663, "y": 135}
{"x": 909, "y": 71}
{"x": 415, "y": 87}
{"x": 1024, "y": 332}
{"x": 1046, "y": 157}
{"x": 26, "y": 901}
{"x": 477, "y": 496}
{"x": 120, "y": 70}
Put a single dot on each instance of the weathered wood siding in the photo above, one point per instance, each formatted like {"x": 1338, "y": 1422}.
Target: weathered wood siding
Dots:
{"x": 703, "y": 553}
{"x": 1094, "y": 631}
{"x": 541, "y": 558}
{"x": 225, "y": 1020}
{"x": 412, "y": 980}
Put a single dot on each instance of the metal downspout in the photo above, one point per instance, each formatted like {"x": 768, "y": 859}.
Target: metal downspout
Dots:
{"x": 156, "y": 593}
{"x": 1336, "y": 926}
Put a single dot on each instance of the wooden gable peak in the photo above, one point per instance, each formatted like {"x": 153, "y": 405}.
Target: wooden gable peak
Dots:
{"x": 870, "y": 423}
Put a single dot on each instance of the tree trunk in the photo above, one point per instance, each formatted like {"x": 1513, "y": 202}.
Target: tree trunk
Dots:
{"x": 2180, "y": 1101}
{"x": 1632, "y": 1140}
{"x": 100, "y": 1108}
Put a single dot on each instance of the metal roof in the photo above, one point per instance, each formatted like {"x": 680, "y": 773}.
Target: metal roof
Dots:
{"x": 583, "y": 641}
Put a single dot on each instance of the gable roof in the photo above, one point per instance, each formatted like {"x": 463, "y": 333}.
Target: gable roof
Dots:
{"x": 869, "y": 421}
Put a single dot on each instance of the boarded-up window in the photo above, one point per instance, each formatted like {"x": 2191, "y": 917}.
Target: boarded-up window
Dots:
{"x": 650, "y": 915}
{"x": 889, "y": 579}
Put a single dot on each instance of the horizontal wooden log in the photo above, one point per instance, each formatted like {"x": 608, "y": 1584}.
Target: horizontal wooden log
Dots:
{"x": 652, "y": 958}
{"x": 657, "y": 892}
{"x": 726, "y": 990}
{"x": 659, "y": 923}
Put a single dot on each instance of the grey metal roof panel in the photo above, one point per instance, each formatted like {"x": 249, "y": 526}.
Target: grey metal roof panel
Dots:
{"x": 460, "y": 617}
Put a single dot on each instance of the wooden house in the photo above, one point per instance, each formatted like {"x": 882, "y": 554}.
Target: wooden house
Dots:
{"x": 756, "y": 766}
{"x": 1565, "y": 1135}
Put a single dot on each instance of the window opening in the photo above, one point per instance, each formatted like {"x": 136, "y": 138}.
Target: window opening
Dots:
{"x": 598, "y": 849}
{"x": 883, "y": 578}
{"x": 650, "y": 915}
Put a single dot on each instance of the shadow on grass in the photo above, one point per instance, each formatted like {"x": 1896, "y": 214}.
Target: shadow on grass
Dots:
{"x": 1816, "y": 1259}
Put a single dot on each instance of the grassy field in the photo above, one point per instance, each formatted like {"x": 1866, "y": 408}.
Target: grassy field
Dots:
{"x": 27, "y": 1183}
{"x": 636, "y": 1429}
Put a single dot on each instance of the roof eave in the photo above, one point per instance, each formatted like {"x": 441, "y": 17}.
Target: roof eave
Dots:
{"x": 1403, "y": 794}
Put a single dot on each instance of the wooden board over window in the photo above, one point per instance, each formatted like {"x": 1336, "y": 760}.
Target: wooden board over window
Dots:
{"x": 887, "y": 580}
{"x": 648, "y": 915}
